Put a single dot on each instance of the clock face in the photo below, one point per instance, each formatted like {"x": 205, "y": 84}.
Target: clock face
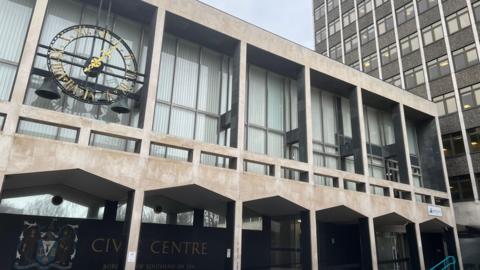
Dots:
{"x": 104, "y": 71}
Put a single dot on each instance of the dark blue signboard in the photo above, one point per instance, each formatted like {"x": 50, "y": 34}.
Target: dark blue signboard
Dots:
{"x": 45, "y": 243}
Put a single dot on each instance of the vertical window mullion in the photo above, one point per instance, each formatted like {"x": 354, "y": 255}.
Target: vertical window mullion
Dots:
{"x": 169, "y": 121}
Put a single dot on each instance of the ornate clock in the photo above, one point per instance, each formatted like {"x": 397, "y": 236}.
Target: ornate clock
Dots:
{"x": 107, "y": 72}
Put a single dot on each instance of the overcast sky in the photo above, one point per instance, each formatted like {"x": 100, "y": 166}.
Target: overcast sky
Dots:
{"x": 291, "y": 19}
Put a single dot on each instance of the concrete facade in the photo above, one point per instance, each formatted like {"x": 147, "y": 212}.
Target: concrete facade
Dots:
{"x": 142, "y": 173}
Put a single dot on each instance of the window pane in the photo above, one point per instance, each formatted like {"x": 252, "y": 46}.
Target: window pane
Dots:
{"x": 275, "y": 145}
{"x": 206, "y": 129}
{"x": 186, "y": 74}
{"x": 458, "y": 145}
{"x": 256, "y": 140}
{"x": 467, "y": 100}
{"x": 275, "y": 102}
{"x": 210, "y": 81}
{"x": 256, "y": 96}
{"x": 328, "y": 103}
{"x": 451, "y": 105}
{"x": 187, "y": 118}
{"x": 165, "y": 79}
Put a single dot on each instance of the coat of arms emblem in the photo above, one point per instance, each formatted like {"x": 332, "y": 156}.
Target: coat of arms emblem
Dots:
{"x": 46, "y": 247}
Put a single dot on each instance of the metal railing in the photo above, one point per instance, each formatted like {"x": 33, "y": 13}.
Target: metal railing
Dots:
{"x": 448, "y": 263}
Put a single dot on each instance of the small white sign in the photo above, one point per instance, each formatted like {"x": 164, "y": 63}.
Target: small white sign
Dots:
{"x": 434, "y": 210}
{"x": 132, "y": 256}
{"x": 229, "y": 253}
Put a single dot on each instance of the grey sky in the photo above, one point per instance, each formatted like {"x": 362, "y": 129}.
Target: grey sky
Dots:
{"x": 291, "y": 19}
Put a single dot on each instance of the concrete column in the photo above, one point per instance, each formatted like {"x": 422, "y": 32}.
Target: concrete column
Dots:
{"x": 149, "y": 98}
{"x": 84, "y": 136}
{"x": 368, "y": 244}
{"x": 414, "y": 248}
{"x": 239, "y": 90}
{"x": 401, "y": 144}
{"x": 25, "y": 65}
{"x": 359, "y": 42}
{"x": 2, "y": 180}
{"x": 418, "y": 237}
{"x": 377, "y": 46}
{"x": 133, "y": 221}
{"x": 358, "y": 129}
{"x": 305, "y": 116}
{"x": 237, "y": 236}
{"x": 313, "y": 239}
{"x": 397, "y": 43}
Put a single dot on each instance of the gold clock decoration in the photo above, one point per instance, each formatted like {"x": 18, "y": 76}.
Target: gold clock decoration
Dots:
{"x": 92, "y": 78}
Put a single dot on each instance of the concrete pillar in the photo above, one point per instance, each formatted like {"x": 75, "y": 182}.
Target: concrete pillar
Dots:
{"x": 149, "y": 98}
{"x": 2, "y": 180}
{"x": 305, "y": 240}
{"x": 305, "y": 116}
{"x": 367, "y": 243}
{"x": 401, "y": 144}
{"x": 23, "y": 73}
{"x": 133, "y": 222}
{"x": 418, "y": 237}
{"x": 239, "y": 84}
{"x": 413, "y": 247}
{"x": 358, "y": 130}
{"x": 237, "y": 236}
{"x": 313, "y": 239}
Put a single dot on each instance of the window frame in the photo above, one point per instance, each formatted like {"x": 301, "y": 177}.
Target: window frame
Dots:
{"x": 335, "y": 24}
{"x": 442, "y": 103}
{"x": 474, "y": 92}
{"x": 391, "y": 50}
{"x": 321, "y": 35}
{"x": 428, "y": 5}
{"x": 440, "y": 70}
{"x": 385, "y": 25}
{"x": 456, "y": 18}
{"x": 370, "y": 31}
{"x": 337, "y": 49}
{"x": 431, "y": 29}
{"x": 463, "y": 54}
{"x": 352, "y": 41}
{"x": 364, "y": 8}
{"x": 403, "y": 11}
{"x": 373, "y": 60}
{"x": 412, "y": 41}
{"x": 319, "y": 12}
{"x": 332, "y": 4}
{"x": 392, "y": 80}
{"x": 349, "y": 15}
{"x": 414, "y": 71}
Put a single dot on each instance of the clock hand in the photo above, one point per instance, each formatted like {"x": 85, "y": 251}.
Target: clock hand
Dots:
{"x": 97, "y": 62}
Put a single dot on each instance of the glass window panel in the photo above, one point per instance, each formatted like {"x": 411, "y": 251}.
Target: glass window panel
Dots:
{"x": 210, "y": 81}
{"x": 207, "y": 129}
{"x": 256, "y": 96}
{"x": 160, "y": 123}
{"x": 275, "y": 145}
{"x": 167, "y": 63}
{"x": 451, "y": 105}
{"x": 346, "y": 118}
{"x": 187, "y": 120}
{"x": 373, "y": 127}
{"x": 329, "y": 117}
{"x": 186, "y": 74}
{"x": 256, "y": 140}
{"x": 7, "y": 75}
{"x": 275, "y": 102}
{"x": 467, "y": 100}
{"x": 388, "y": 129}
{"x": 316, "y": 115}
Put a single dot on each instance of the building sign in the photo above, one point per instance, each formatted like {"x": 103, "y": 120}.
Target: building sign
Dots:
{"x": 93, "y": 79}
{"x": 434, "y": 210}
{"x": 45, "y": 243}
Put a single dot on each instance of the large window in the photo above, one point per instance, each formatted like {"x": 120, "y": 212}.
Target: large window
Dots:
{"x": 321, "y": 35}
{"x": 331, "y": 121}
{"x": 474, "y": 139}
{"x": 438, "y": 68}
{"x": 476, "y": 10}
{"x": 349, "y": 17}
{"x": 385, "y": 24}
{"x": 272, "y": 111}
{"x": 405, "y": 13}
{"x": 461, "y": 188}
{"x": 409, "y": 44}
{"x": 367, "y": 34}
{"x": 395, "y": 80}
{"x": 351, "y": 43}
{"x": 336, "y": 52}
{"x": 470, "y": 96}
{"x": 432, "y": 33}
{"x": 414, "y": 153}
{"x": 453, "y": 144}
{"x": 370, "y": 62}
{"x": 389, "y": 54}
{"x": 380, "y": 2}
{"x": 458, "y": 21}
{"x": 61, "y": 14}
{"x": 319, "y": 12}
{"x": 446, "y": 103}
{"x": 364, "y": 8}
{"x": 14, "y": 21}
{"x": 424, "y": 5}
{"x": 465, "y": 57}
{"x": 414, "y": 77}
{"x": 379, "y": 132}
{"x": 334, "y": 27}
{"x": 194, "y": 90}
{"x": 331, "y": 4}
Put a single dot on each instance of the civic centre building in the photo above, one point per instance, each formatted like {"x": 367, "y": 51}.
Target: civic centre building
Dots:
{"x": 429, "y": 48}
{"x": 166, "y": 134}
